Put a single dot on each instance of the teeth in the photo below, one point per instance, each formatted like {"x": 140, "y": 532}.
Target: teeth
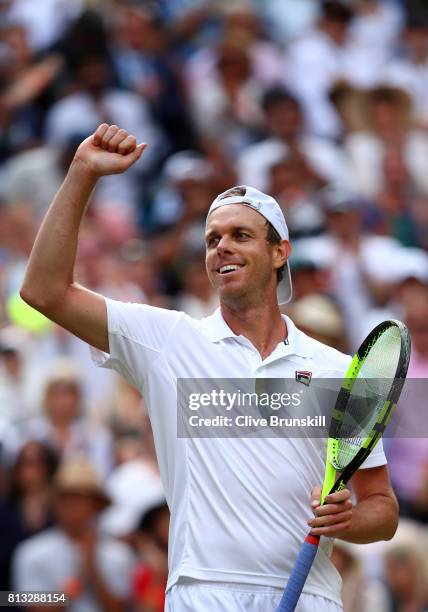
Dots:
{"x": 230, "y": 268}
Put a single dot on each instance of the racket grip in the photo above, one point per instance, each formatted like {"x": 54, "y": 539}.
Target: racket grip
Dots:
{"x": 299, "y": 574}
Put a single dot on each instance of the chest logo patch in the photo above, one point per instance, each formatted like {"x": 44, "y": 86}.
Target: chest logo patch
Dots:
{"x": 304, "y": 377}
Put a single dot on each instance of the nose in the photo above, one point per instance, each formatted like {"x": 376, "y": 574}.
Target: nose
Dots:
{"x": 224, "y": 245}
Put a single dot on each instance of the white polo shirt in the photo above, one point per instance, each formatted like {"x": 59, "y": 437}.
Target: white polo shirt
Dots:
{"x": 239, "y": 506}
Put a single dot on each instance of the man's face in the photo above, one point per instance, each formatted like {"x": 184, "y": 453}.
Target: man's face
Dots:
{"x": 236, "y": 236}
{"x": 284, "y": 119}
{"x": 76, "y": 511}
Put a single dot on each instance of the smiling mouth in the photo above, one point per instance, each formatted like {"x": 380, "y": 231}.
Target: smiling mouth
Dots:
{"x": 229, "y": 268}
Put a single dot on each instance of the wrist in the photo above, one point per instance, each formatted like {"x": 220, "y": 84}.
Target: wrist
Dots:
{"x": 81, "y": 170}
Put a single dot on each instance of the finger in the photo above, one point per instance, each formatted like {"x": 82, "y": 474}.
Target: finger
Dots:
{"x": 99, "y": 133}
{"x": 115, "y": 141}
{"x": 138, "y": 151}
{"x": 338, "y": 496}
{"x": 130, "y": 158}
{"x": 333, "y": 508}
{"x": 128, "y": 145}
{"x": 315, "y": 496}
{"x": 330, "y": 519}
{"x": 108, "y": 135}
{"x": 331, "y": 531}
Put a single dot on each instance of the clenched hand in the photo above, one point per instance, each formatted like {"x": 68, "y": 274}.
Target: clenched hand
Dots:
{"x": 110, "y": 150}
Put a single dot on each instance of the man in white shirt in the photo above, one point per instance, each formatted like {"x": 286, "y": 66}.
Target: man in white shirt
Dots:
{"x": 239, "y": 507}
{"x": 75, "y": 557}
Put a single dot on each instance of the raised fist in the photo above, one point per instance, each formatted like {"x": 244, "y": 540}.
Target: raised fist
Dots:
{"x": 110, "y": 150}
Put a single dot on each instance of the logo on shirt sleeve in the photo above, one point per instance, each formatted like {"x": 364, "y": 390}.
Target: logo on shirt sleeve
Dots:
{"x": 304, "y": 377}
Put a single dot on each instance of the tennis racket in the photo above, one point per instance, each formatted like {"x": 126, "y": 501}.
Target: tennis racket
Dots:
{"x": 365, "y": 403}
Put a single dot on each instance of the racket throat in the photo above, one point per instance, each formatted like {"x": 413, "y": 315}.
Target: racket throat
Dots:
{"x": 329, "y": 480}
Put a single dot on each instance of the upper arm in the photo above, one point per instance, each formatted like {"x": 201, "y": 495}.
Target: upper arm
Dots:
{"x": 372, "y": 481}
{"x": 83, "y": 313}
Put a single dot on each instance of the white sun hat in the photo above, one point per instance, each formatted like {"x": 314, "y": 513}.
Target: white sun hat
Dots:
{"x": 269, "y": 208}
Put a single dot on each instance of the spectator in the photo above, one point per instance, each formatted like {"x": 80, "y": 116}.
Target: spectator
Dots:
{"x": 406, "y": 450}
{"x": 409, "y": 70}
{"x": 46, "y": 25}
{"x": 151, "y": 572}
{"x": 64, "y": 426}
{"x": 406, "y": 571}
{"x": 318, "y": 317}
{"x": 372, "y": 41}
{"x": 239, "y": 22}
{"x": 74, "y": 557}
{"x": 226, "y": 103}
{"x": 359, "y": 592}
{"x": 314, "y": 62}
{"x": 134, "y": 484}
{"x": 33, "y": 177}
{"x": 321, "y": 161}
{"x": 350, "y": 250}
{"x": 197, "y": 297}
{"x": 184, "y": 190}
{"x": 97, "y": 101}
{"x": 26, "y": 509}
{"x": 17, "y": 383}
{"x": 389, "y": 128}
{"x": 145, "y": 64}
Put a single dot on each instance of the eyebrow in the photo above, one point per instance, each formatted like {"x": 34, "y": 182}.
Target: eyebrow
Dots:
{"x": 238, "y": 228}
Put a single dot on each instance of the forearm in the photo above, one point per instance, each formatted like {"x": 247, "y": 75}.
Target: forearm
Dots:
{"x": 51, "y": 264}
{"x": 373, "y": 518}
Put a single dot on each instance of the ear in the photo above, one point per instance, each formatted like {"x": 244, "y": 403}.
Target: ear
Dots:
{"x": 282, "y": 252}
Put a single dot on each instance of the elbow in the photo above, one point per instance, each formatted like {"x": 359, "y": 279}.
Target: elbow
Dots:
{"x": 41, "y": 303}
{"x": 392, "y": 523}
{"x": 392, "y": 528}
{"x": 28, "y": 297}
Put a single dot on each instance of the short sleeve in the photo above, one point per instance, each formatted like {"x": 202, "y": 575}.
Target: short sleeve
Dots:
{"x": 138, "y": 334}
{"x": 376, "y": 457}
{"x": 27, "y": 572}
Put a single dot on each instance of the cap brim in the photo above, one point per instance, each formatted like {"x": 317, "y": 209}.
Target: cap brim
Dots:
{"x": 98, "y": 494}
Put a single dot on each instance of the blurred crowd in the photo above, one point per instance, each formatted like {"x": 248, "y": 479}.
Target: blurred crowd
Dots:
{"x": 324, "y": 105}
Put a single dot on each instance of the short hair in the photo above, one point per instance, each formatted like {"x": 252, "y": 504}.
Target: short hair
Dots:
{"x": 390, "y": 95}
{"x": 333, "y": 10}
{"x": 273, "y": 237}
{"x": 278, "y": 95}
{"x": 148, "y": 519}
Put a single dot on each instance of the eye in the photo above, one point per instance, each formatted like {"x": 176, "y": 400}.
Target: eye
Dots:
{"x": 243, "y": 235}
{"x": 212, "y": 241}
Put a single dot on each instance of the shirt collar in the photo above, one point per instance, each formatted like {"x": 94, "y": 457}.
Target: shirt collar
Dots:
{"x": 298, "y": 343}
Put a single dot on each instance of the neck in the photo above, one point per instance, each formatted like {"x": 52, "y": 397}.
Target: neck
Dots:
{"x": 262, "y": 324}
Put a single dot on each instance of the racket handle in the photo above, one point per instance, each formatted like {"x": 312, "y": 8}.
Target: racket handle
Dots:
{"x": 299, "y": 574}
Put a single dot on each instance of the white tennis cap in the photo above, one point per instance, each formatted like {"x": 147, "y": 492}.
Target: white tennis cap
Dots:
{"x": 269, "y": 208}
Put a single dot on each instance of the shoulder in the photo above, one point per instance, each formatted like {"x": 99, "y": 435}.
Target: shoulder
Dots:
{"x": 139, "y": 322}
{"x": 331, "y": 359}
{"x": 41, "y": 547}
{"x": 308, "y": 44}
{"x": 134, "y": 313}
{"x": 37, "y": 157}
{"x": 132, "y": 100}
{"x": 326, "y": 360}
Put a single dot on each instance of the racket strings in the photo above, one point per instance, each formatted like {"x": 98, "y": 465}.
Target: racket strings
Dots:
{"x": 367, "y": 398}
